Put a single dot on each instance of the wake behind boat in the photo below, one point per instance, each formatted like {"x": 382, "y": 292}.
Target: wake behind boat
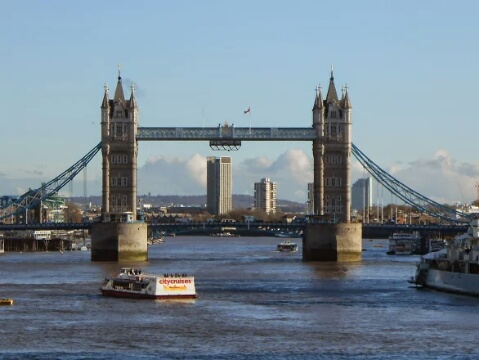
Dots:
{"x": 454, "y": 268}
{"x": 133, "y": 283}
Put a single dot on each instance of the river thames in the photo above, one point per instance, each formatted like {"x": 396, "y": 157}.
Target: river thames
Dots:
{"x": 253, "y": 303}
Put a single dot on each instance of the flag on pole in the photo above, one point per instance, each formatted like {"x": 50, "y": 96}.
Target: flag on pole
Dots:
{"x": 247, "y": 111}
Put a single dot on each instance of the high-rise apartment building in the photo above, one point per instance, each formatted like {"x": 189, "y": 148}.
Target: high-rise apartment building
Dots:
{"x": 362, "y": 194}
{"x": 265, "y": 196}
{"x": 219, "y": 184}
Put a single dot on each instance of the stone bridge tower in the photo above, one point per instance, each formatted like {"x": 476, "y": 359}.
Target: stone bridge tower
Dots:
{"x": 119, "y": 236}
{"x": 332, "y": 237}
{"x": 332, "y": 154}
{"x": 119, "y": 126}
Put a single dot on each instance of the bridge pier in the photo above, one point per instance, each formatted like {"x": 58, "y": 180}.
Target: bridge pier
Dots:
{"x": 340, "y": 242}
{"x": 120, "y": 242}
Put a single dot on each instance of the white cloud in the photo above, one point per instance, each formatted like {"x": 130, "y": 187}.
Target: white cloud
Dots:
{"x": 196, "y": 167}
{"x": 440, "y": 177}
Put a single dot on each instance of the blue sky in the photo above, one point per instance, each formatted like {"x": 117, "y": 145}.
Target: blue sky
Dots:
{"x": 411, "y": 68}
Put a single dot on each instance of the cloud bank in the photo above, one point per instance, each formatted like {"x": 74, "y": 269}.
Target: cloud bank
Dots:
{"x": 440, "y": 177}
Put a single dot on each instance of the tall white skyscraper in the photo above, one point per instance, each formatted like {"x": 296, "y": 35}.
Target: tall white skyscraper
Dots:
{"x": 265, "y": 196}
{"x": 219, "y": 184}
{"x": 362, "y": 194}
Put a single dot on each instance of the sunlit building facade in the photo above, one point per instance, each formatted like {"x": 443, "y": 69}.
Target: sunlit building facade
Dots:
{"x": 219, "y": 185}
{"x": 265, "y": 196}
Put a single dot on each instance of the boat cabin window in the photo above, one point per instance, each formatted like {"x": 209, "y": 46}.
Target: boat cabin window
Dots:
{"x": 130, "y": 271}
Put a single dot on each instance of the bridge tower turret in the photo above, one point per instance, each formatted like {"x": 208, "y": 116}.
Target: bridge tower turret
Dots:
{"x": 105, "y": 136}
{"x": 318, "y": 153}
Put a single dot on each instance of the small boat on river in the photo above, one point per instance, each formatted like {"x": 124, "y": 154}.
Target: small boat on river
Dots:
{"x": 287, "y": 246}
{"x": 404, "y": 243}
{"x": 6, "y": 302}
{"x": 133, "y": 283}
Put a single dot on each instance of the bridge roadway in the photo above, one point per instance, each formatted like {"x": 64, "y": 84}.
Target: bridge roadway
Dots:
{"x": 368, "y": 229}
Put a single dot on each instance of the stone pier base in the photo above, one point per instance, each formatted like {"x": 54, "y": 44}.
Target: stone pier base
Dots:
{"x": 341, "y": 242}
{"x": 120, "y": 242}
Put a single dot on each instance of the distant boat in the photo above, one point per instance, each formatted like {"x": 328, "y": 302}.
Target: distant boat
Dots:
{"x": 436, "y": 244}
{"x": 287, "y": 246}
{"x": 223, "y": 234}
{"x": 6, "y": 301}
{"x": 156, "y": 240}
{"x": 404, "y": 243}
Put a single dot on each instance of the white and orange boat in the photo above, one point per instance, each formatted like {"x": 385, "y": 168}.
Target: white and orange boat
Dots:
{"x": 133, "y": 283}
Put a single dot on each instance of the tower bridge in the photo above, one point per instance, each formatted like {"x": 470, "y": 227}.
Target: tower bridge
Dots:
{"x": 120, "y": 237}
{"x": 117, "y": 237}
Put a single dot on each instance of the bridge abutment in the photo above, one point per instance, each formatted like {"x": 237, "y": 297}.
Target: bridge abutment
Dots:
{"x": 120, "y": 242}
{"x": 340, "y": 242}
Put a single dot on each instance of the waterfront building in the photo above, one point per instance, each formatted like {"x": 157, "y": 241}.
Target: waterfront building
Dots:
{"x": 265, "y": 196}
{"x": 467, "y": 210}
{"x": 54, "y": 209}
{"x": 219, "y": 184}
{"x": 362, "y": 194}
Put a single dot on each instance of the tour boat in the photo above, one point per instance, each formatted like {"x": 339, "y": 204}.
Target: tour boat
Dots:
{"x": 133, "y": 283}
{"x": 287, "y": 246}
{"x": 404, "y": 243}
{"x": 454, "y": 268}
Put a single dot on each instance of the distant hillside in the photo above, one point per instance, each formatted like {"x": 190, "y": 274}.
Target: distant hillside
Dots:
{"x": 239, "y": 201}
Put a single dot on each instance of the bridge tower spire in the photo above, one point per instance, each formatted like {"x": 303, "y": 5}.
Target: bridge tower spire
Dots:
{"x": 318, "y": 152}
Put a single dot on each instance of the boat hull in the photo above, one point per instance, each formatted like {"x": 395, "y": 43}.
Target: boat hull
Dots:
{"x": 134, "y": 283}
{"x": 136, "y": 295}
{"x": 452, "y": 282}
{"x": 287, "y": 249}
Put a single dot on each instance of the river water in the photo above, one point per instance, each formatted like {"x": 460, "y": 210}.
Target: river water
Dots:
{"x": 253, "y": 303}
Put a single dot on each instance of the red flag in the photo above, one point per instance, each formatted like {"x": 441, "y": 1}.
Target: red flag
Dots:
{"x": 247, "y": 111}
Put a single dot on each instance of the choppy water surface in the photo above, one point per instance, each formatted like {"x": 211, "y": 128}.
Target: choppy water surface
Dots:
{"x": 253, "y": 303}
